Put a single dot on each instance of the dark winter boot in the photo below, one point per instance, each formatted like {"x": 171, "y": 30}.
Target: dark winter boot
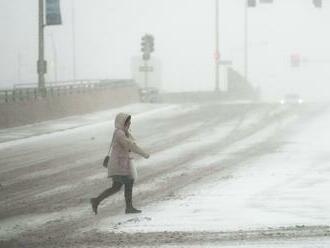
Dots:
{"x": 94, "y": 203}
{"x": 132, "y": 210}
{"x": 128, "y": 199}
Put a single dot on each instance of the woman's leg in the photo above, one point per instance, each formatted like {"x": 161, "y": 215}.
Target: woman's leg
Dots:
{"x": 116, "y": 186}
{"x": 128, "y": 197}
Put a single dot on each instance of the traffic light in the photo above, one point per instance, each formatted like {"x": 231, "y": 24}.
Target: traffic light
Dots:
{"x": 151, "y": 43}
{"x": 317, "y": 3}
{"x": 144, "y": 44}
{"x": 251, "y": 3}
{"x": 147, "y": 46}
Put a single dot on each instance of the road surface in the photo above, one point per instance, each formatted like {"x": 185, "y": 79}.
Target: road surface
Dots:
{"x": 48, "y": 172}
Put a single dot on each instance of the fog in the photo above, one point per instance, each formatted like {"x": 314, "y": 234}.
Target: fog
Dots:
{"x": 108, "y": 36}
{"x": 214, "y": 164}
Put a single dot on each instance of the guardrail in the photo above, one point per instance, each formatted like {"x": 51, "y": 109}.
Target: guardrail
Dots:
{"x": 25, "y": 92}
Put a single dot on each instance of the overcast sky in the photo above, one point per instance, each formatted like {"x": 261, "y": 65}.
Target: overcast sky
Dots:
{"x": 108, "y": 34}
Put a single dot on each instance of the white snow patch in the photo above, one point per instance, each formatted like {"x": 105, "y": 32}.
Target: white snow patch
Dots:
{"x": 318, "y": 242}
{"x": 75, "y": 124}
{"x": 11, "y": 227}
{"x": 282, "y": 189}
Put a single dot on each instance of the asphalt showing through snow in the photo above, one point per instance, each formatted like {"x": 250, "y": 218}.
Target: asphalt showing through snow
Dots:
{"x": 56, "y": 177}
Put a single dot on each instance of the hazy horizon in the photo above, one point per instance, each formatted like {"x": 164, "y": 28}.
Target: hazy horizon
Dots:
{"x": 108, "y": 36}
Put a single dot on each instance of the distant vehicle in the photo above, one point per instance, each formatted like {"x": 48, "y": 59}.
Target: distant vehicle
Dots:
{"x": 292, "y": 99}
{"x": 149, "y": 95}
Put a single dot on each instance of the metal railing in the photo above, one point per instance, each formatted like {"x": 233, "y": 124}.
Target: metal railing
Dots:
{"x": 25, "y": 92}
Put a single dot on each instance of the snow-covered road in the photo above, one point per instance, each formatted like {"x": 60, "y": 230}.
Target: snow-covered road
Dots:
{"x": 214, "y": 168}
{"x": 289, "y": 186}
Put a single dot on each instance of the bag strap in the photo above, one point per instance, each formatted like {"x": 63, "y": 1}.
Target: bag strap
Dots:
{"x": 112, "y": 141}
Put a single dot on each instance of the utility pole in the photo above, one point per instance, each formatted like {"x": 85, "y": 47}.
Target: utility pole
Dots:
{"x": 246, "y": 41}
{"x": 42, "y": 66}
{"x": 19, "y": 64}
{"x": 217, "y": 54}
{"x": 54, "y": 57}
{"x": 73, "y": 16}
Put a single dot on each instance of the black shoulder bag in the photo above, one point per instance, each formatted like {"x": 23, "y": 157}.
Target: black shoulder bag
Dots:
{"x": 106, "y": 159}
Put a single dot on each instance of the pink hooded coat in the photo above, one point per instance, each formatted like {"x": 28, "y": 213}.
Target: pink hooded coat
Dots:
{"x": 120, "y": 161}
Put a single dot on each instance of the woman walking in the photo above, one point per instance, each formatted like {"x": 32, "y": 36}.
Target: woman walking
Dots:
{"x": 121, "y": 168}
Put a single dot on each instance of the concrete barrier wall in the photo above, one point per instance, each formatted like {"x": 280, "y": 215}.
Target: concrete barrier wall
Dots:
{"x": 203, "y": 96}
{"x": 31, "y": 111}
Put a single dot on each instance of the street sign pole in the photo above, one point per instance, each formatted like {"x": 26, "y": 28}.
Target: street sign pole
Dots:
{"x": 146, "y": 73}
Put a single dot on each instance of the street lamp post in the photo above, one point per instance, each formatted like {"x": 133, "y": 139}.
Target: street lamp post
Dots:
{"x": 216, "y": 55}
{"x": 73, "y": 16}
{"x": 41, "y": 60}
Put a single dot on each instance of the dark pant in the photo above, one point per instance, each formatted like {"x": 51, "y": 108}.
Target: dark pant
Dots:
{"x": 117, "y": 183}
